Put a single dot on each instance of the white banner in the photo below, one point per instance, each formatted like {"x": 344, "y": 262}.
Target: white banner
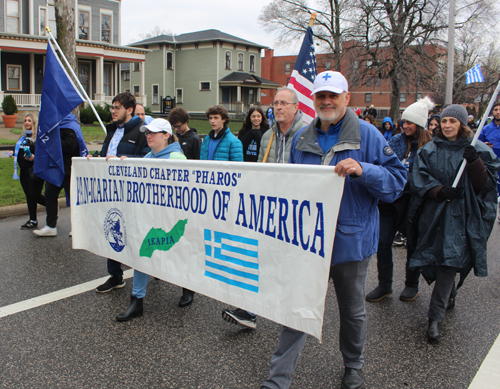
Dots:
{"x": 256, "y": 236}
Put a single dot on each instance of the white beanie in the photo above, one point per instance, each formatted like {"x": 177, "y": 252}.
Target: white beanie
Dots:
{"x": 418, "y": 112}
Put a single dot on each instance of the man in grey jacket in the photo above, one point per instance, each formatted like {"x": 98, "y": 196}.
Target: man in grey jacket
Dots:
{"x": 288, "y": 122}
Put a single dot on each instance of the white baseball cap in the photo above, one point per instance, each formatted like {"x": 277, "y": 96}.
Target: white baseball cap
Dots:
{"x": 158, "y": 125}
{"x": 330, "y": 82}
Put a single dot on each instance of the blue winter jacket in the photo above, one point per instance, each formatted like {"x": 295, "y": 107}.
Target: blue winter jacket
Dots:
{"x": 228, "y": 149}
{"x": 491, "y": 133}
{"x": 387, "y": 133}
{"x": 383, "y": 178}
{"x": 172, "y": 151}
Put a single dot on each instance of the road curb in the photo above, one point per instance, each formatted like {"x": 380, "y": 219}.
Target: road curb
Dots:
{"x": 22, "y": 209}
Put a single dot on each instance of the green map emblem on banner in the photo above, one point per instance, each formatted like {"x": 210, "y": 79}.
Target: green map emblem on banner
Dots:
{"x": 157, "y": 239}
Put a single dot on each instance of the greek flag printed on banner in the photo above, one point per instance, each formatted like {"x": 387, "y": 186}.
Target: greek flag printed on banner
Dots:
{"x": 474, "y": 75}
{"x": 232, "y": 259}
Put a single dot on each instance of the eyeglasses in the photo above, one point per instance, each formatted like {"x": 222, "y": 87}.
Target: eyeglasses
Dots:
{"x": 177, "y": 127}
{"x": 115, "y": 108}
{"x": 282, "y": 103}
{"x": 147, "y": 132}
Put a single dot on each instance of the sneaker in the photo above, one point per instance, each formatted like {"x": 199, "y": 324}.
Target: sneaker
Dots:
{"x": 239, "y": 316}
{"x": 399, "y": 240}
{"x": 110, "y": 284}
{"x": 71, "y": 234}
{"x": 29, "y": 224}
{"x": 46, "y": 231}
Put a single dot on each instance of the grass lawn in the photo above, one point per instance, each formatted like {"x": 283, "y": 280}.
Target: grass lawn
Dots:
{"x": 10, "y": 190}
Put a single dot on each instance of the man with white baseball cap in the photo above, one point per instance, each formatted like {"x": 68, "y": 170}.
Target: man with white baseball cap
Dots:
{"x": 359, "y": 152}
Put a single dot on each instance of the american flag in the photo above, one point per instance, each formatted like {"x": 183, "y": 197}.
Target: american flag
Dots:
{"x": 232, "y": 259}
{"x": 303, "y": 75}
{"x": 474, "y": 75}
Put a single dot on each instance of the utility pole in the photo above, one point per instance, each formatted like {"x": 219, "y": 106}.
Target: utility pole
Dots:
{"x": 451, "y": 55}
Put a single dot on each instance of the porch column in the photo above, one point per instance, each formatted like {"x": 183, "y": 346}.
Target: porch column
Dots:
{"x": 32, "y": 79}
{"x": 116, "y": 89}
{"x": 258, "y": 95}
{"x": 99, "y": 65}
{"x": 142, "y": 88}
{"x": 238, "y": 94}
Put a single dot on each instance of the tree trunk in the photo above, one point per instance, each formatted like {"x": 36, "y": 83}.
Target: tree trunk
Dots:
{"x": 337, "y": 36}
{"x": 395, "y": 92}
{"x": 65, "y": 26}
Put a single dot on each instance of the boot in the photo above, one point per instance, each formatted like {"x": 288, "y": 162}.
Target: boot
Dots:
{"x": 410, "y": 291}
{"x": 433, "y": 330}
{"x": 187, "y": 298}
{"x": 384, "y": 287}
{"x": 135, "y": 309}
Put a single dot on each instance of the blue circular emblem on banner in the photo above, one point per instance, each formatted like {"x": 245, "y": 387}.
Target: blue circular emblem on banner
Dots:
{"x": 114, "y": 230}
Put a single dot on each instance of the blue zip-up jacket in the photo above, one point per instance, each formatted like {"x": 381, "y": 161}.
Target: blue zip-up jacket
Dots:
{"x": 491, "y": 133}
{"x": 228, "y": 149}
{"x": 399, "y": 143}
{"x": 387, "y": 133}
{"x": 172, "y": 151}
{"x": 383, "y": 178}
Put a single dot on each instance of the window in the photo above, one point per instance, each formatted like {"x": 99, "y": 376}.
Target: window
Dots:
{"x": 419, "y": 96}
{"x": 368, "y": 97}
{"x": 105, "y": 28}
{"x": 42, "y": 21}
{"x": 84, "y": 75}
{"x": 369, "y": 81}
{"x": 136, "y": 90}
{"x": 12, "y": 16}
{"x": 240, "y": 62}
{"x": 402, "y": 98}
{"x": 83, "y": 25}
{"x": 287, "y": 67}
{"x": 107, "y": 77}
{"x": 155, "y": 95}
{"x": 252, "y": 63}
{"x": 204, "y": 85}
{"x": 369, "y": 64}
{"x": 169, "y": 61}
{"x": 179, "y": 96}
{"x": 14, "y": 77}
{"x": 376, "y": 81}
{"x": 228, "y": 60}
{"x": 126, "y": 75}
{"x": 383, "y": 113}
{"x": 328, "y": 65}
{"x": 137, "y": 66}
{"x": 355, "y": 65}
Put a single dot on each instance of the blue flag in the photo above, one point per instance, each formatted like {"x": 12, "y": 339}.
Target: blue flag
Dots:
{"x": 474, "y": 75}
{"x": 59, "y": 98}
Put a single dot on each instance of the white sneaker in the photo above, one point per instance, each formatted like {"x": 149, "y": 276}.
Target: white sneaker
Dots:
{"x": 46, "y": 231}
{"x": 71, "y": 234}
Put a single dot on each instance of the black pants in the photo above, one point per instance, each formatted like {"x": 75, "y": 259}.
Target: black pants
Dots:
{"x": 444, "y": 287}
{"x": 33, "y": 192}
{"x": 51, "y": 195}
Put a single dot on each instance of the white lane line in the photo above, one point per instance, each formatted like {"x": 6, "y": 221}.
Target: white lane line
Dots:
{"x": 488, "y": 375}
{"x": 55, "y": 296}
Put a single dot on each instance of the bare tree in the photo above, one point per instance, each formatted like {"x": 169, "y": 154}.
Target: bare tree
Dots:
{"x": 156, "y": 31}
{"x": 290, "y": 18}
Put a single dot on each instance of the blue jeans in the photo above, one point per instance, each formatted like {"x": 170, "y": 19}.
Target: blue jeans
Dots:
{"x": 140, "y": 284}
{"x": 388, "y": 229}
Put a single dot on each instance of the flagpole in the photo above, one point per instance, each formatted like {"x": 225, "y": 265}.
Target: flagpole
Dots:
{"x": 478, "y": 132}
{"x": 76, "y": 78}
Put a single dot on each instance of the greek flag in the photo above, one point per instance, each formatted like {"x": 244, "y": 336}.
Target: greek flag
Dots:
{"x": 474, "y": 75}
{"x": 232, "y": 259}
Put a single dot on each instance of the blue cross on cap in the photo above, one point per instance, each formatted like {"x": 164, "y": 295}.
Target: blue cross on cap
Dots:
{"x": 330, "y": 81}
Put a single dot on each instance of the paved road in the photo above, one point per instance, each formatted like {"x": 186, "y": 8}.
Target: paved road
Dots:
{"x": 76, "y": 343}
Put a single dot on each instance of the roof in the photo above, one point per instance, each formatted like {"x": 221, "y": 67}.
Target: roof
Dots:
{"x": 198, "y": 36}
{"x": 238, "y": 78}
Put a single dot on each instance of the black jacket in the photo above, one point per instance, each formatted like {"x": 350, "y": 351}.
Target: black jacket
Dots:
{"x": 70, "y": 149}
{"x": 133, "y": 143}
{"x": 190, "y": 143}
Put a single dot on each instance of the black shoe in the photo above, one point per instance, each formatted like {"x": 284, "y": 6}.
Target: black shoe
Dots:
{"x": 399, "y": 240}
{"x": 239, "y": 316}
{"x": 451, "y": 303}
{"x": 409, "y": 294}
{"x": 433, "y": 330}
{"x": 110, "y": 284}
{"x": 352, "y": 379}
{"x": 378, "y": 294}
{"x": 29, "y": 225}
{"x": 135, "y": 309}
{"x": 187, "y": 298}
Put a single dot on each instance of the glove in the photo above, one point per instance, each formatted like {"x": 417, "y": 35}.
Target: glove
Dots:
{"x": 470, "y": 154}
{"x": 449, "y": 193}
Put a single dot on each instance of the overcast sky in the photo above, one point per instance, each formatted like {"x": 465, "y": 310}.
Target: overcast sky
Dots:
{"x": 232, "y": 17}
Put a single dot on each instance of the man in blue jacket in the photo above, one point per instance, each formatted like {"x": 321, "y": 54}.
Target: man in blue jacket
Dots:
{"x": 123, "y": 138}
{"x": 490, "y": 134}
{"x": 372, "y": 172}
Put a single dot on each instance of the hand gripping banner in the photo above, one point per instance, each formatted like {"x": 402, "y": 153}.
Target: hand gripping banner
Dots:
{"x": 256, "y": 236}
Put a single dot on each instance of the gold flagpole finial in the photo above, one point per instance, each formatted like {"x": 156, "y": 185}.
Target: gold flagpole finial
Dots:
{"x": 47, "y": 29}
{"x": 313, "y": 18}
